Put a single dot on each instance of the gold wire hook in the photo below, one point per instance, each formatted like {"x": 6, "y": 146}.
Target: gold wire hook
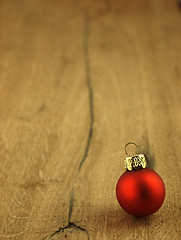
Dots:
{"x": 129, "y": 144}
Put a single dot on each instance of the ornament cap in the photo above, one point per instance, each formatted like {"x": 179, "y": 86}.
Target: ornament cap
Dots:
{"x": 135, "y": 162}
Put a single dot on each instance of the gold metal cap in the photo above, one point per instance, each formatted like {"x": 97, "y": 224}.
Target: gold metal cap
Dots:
{"x": 135, "y": 162}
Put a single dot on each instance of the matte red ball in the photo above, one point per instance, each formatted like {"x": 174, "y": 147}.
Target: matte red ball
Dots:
{"x": 140, "y": 192}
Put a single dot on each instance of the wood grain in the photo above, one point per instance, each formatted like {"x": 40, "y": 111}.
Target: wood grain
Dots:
{"x": 78, "y": 80}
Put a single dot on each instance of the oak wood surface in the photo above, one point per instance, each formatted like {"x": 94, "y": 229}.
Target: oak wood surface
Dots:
{"x": 78, "y": 80}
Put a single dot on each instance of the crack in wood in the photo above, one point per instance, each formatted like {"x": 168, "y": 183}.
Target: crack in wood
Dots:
{"x": 71, "y": 203}
{"x": 90, "y": 90}
{"x": 72, "y": 225}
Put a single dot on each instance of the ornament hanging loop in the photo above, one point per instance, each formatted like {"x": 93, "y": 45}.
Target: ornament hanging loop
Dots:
{"x": 129, "y": 143}
{"x": 136, "y": 161}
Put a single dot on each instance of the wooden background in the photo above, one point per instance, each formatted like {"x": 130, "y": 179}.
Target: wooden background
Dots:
{"x": 78, "y": 80}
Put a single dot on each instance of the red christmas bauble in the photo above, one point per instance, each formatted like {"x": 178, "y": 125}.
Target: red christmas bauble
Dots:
{"x": 140, "y": 192}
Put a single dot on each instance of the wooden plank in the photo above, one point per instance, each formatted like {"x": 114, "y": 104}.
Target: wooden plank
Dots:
{"x": 79, "y": 81}
{"x": 135, "y": 74}
{"x": 44, "y": 115}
